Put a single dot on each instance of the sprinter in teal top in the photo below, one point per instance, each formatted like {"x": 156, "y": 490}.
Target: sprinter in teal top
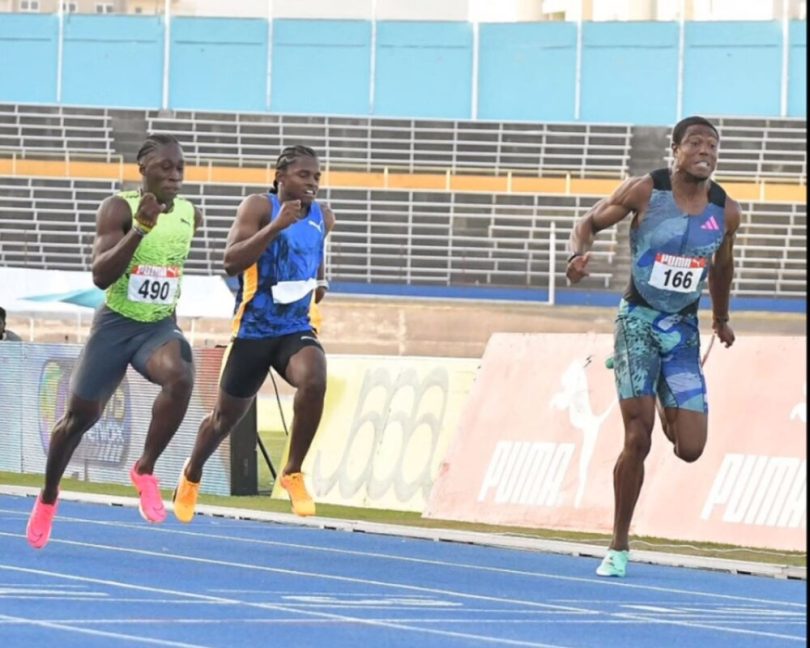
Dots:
{"x": 142, "y": 241}
{"x": 672, "y": 251}
{"x": 681, "y": 238}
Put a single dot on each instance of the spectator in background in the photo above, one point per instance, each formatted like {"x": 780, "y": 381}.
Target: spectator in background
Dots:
{"x": 276, "y": 246}
{"x": 143, "y": 238}
{"x": 5, "y": 334}
{"x": 681, "y": 236}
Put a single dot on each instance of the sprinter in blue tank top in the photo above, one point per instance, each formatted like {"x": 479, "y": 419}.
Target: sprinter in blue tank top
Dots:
{"x": 681, "y": 237}
{"x": 276, "y": 247}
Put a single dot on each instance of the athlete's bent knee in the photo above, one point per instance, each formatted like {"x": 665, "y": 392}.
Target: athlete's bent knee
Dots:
{"x": 222, "y": 424}
{"x": 313, "y": 388}
{"x": 180, "y": 383}
{"x": 637, "y": 437}
{"x": 76, "y": 422}
{"x": 688, "y": 453}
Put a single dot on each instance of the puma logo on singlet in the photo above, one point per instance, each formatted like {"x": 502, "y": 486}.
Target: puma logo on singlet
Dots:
{"x": 317, "y": 226}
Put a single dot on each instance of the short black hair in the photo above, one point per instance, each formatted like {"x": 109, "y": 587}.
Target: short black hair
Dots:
{"x": 680, "y": 128}
{"x": 290, "y": 155}
{"x": 153, "y": 142}
{"x": 2, "y": 313}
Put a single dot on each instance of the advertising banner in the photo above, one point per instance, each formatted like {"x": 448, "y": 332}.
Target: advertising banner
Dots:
{"x": 35, "y": 392}
{"x": 540, "y": 434}
{"x": 386, "y": 426}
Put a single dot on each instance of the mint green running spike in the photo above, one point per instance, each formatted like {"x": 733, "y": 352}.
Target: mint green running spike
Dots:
{"x": 614, "y": 564}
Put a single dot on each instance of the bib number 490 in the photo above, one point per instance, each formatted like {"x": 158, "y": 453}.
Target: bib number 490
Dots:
{"x": 153, "y": 285}
{"x": 155, "y": 290}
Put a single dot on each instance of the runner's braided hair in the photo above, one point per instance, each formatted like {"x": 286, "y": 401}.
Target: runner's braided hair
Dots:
{"x": 290, "y": 155}
{"x": 153, "y": 142}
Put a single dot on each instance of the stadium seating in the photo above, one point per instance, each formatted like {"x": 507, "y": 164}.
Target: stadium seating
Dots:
{"x": 771, "y": 250}
{"x": 427, "y": 238}
{"x": 406, "y": 144}
{"x": 752, "y": 149}
{"x": 40, "y": 130}
{"x": 432, "y": 236}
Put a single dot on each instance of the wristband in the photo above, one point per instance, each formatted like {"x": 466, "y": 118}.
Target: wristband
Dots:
{"x": 146, "y": 228}
{"x": 573, "y": 256}
{"x": 139, "y": 229}
{"x": 323, "y": 283}
{"x": 722, "y": 319}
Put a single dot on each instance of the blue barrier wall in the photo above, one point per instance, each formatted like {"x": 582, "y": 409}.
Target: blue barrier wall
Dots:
{"x": 321, "y": 66}
{"x": 113, "y": 61}
{"x": 797, "y": 70}
{"x": 218, "y": 64}
{"x": 28, "y": 58}
{"x": 630, "y": 72}
{"x": 424, "y": 69}
{"x": 732, "y": 68}
{"x": 526, "y": 71}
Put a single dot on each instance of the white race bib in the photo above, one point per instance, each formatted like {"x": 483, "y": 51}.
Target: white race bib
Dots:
{"x": 287, "y": 292}
{"x": 676, "y": 273}
{"x": 153, "y": 285}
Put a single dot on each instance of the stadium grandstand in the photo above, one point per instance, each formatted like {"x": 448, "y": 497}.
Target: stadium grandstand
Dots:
{"x": 422, "y": 202}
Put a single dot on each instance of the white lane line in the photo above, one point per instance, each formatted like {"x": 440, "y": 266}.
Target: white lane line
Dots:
{"x": 292, "y": 523}
{"x": 426, "y": 561}
{"x": 327, "y": 577}
{"x": 391, "y": 585}
{"x": 300, "y": 621}
{"x": 708, "y": 626}
{"x": 50, "y": 625}
{"x": 282, "y": 608}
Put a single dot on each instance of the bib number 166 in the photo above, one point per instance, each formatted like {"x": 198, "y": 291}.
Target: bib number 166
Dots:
{"x": 678, "y": 279}
{"x": 676, "y": 274}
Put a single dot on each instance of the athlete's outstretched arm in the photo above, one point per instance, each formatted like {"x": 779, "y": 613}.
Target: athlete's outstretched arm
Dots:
{"x": 722, "y": 272}
{"x": 631, "y": 196}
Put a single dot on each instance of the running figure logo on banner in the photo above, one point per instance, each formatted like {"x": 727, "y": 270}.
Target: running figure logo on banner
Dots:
{"x": 574, "y": 396}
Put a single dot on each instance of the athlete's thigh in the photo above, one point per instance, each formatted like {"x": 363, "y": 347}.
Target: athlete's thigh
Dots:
{"x": 104, "y": 359}
{"x": 636, "y": 358}
{"x": 245, "y": 366}
{"x": 164, "y": 353}
{"x": 297, "y": 355}
{"x": 682, "y": 385}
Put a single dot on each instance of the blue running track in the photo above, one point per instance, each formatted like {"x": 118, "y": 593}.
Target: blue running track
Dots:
{"x": 107, "y": 578}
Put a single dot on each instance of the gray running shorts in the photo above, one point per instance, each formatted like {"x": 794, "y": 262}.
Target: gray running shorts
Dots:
{"x": 116, "y": 341}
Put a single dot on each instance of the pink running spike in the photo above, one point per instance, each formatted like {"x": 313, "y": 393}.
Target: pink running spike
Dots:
{"x": 148, "y": 487}
{"x": 40, "y": 523}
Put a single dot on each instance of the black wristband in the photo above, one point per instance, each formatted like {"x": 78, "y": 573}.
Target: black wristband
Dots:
{"x": 717, "y": 318}
{"x": 573, "y": 256}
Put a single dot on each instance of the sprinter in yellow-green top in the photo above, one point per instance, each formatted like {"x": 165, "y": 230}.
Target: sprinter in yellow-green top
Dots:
{"x": 142, "y": 241}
